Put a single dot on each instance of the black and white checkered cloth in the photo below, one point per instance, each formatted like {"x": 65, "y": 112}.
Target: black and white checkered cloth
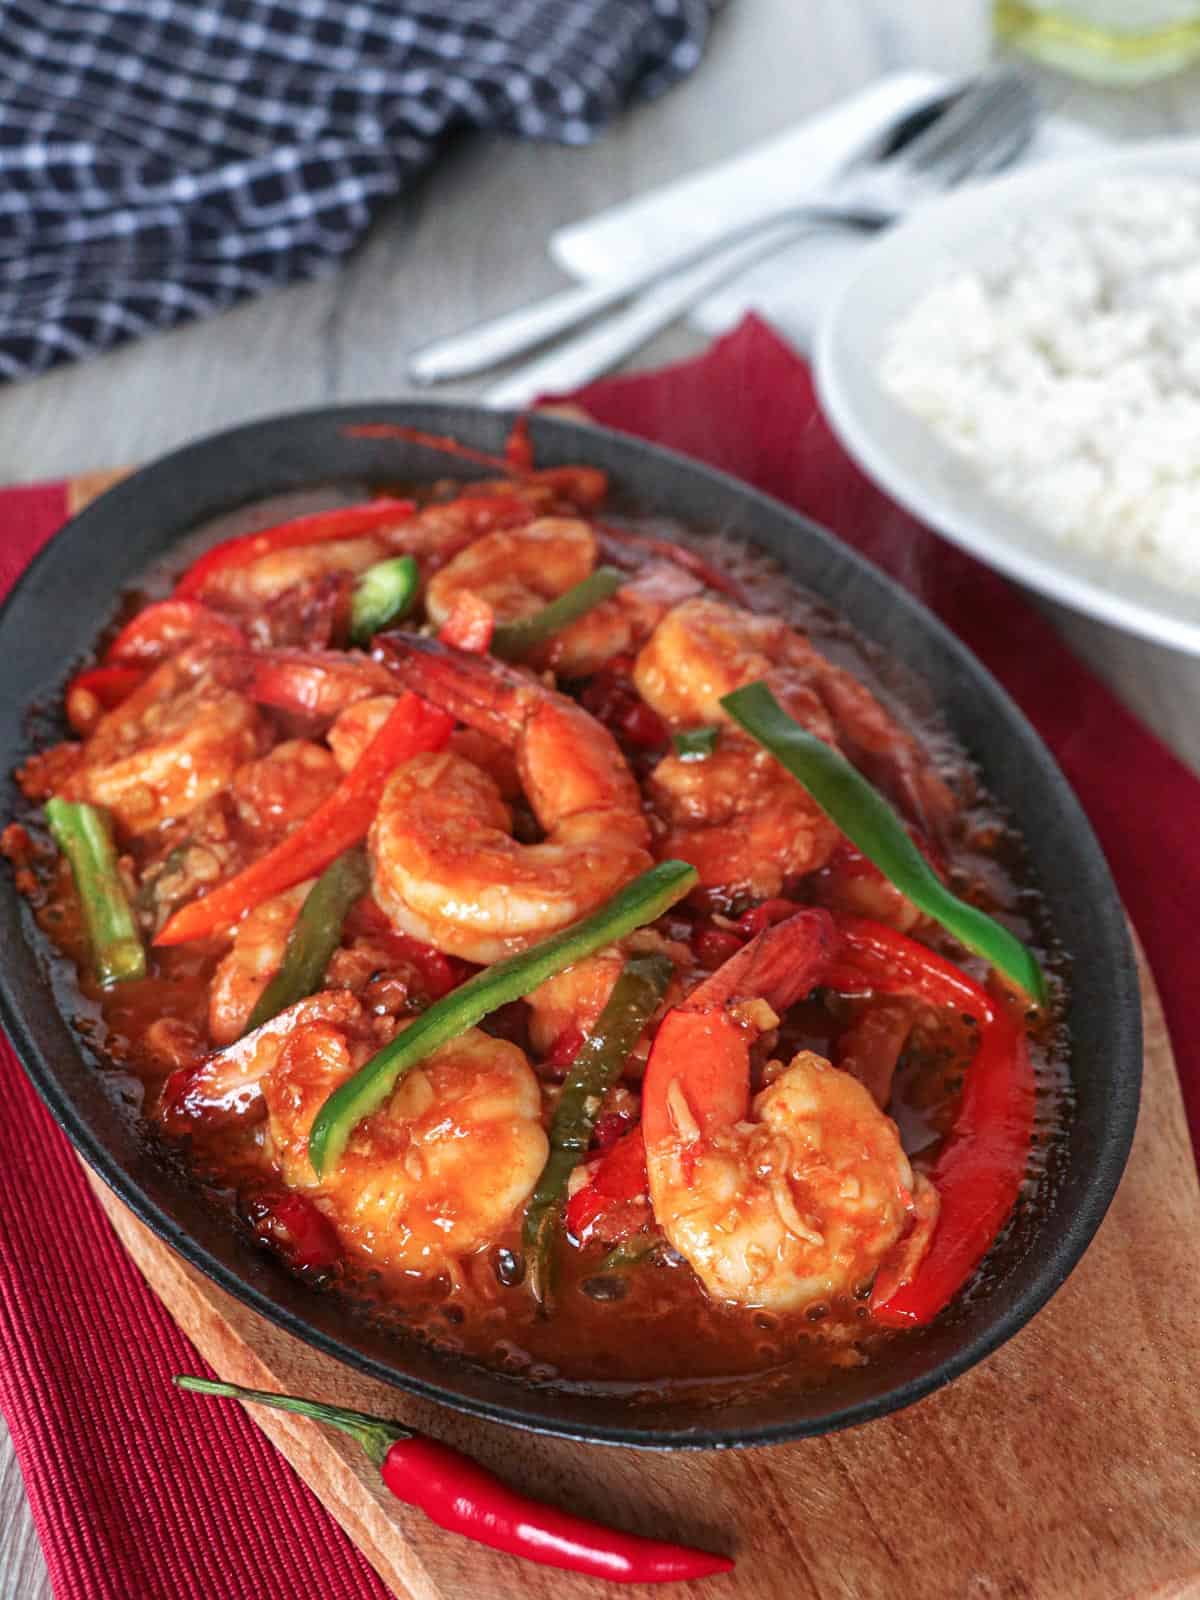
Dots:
{"x": 160, "y": 159}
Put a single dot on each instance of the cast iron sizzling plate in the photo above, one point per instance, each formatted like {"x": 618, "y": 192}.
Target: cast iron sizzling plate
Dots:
{"x": 68, "y": 595}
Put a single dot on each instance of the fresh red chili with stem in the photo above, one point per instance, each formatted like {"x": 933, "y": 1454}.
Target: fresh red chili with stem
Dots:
{"x": 463, "y": 1497}
{"x": 981, "y": 1166}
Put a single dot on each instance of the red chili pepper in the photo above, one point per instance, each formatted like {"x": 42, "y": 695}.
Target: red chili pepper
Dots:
{"x": 340, "y": 821}
{"x": 984, "y": 1159}
{"x": 167, "y": 625}
{"x": 714, "y": 946}
{"x": 612, "y": 700}
{"x": 463, "y": 1497}
{"x": 618, "y": 1180}
{"x": 439, "y": 973}
{"x": 765, "y": 915}
{"x": 99, "y": 689}
{"x": 470, "y": 624}
{"x": 564, "y": 1050}
{"x": 317, "y": 528}
{"x": 290, "y": 1224}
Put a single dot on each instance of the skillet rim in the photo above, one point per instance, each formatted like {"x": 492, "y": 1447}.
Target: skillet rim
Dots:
{"x": 637, "y": 460}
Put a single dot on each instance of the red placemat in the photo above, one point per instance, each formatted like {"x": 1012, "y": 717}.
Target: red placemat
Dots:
{"x": 131, "y": 1502}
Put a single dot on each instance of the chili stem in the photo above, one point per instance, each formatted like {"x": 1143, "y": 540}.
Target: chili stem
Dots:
{"x": 869, "y": 822}
{"x": 375, "y": 1435}
{"x": 596, "y": 1067}
{"x": 515, "y": 640}
{"x": 84, "y": 836}
{"x": 638, "y": 903}
{"x": 315, "y": 935}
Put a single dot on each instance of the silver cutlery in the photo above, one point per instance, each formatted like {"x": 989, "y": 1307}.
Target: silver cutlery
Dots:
{"x": 974, "y": 130}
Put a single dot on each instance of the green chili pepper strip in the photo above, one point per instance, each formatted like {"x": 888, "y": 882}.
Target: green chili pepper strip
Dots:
{"x": 515, "y": 640}
{"x": 596, "y": 1067}
{"x": 315, "y": 935}
{"x": 869, "y": 822}
{"x": 638, "y": 903}
{"x": 383, "y": 594}
{"x": 83, "y": 835}
{"x": 695, "y": 744}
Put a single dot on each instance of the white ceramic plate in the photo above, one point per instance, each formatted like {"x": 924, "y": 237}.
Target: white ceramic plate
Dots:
{"x": 901, "y": 453}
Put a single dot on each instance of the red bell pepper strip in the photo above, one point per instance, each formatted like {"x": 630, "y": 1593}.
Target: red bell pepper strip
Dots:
{"x": 164, "y": 627}
{"x": 317, "y": 528}
{"x": 984, "y": 1159}
{"x": 458, "y": 1494}
{"x": 340, "y": 821}
{"x": 470, "y": 625}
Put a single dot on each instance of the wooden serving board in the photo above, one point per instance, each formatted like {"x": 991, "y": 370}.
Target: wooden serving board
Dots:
{"x": 1067, "y": 1466}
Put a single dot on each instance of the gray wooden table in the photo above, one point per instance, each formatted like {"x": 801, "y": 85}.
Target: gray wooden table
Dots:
{"x": 468, "y": 241}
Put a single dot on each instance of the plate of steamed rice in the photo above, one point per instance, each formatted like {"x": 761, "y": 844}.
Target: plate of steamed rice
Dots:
{"x": 1019, "y": 366}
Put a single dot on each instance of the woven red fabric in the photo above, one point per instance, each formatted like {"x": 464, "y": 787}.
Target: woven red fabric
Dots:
{"x": 141, "y": 1494}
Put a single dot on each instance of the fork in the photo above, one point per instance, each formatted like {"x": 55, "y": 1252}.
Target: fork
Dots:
{"x": 975, "y": 130}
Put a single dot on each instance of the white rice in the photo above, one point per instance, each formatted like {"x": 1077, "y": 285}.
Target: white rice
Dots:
{"x": 1068, "y": 373}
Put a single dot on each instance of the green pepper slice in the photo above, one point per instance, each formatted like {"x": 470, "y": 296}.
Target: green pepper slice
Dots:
{"x": 84, "y": 836}
{"x": 516, "y": 640}
{"x": 383, "y": 594}
{"x": 596, "y": 1067}
{"x": 868, "y": 821}
{"x": 315, "y": 935}
{"x": 638, "y": 903}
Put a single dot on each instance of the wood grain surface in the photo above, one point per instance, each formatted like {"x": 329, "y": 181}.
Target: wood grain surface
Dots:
{"x": 469, "y": 241}
{"x": 1065, "y": 1467}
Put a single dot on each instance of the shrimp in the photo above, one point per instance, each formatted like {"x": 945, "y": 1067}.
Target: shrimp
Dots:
{"x": 704, "y": 649}
{"x": 569, "y": 1004}
{"x": 255, "y": 583}
{"x": 518, "y": 570}
{"x": 742, "y": 821}
{"x": 172, "y": 745}
{"x": 797, "y": 1198}
{"x": 256, "y": 955}
{"x": 439, "y": 1171}
{"x": 286, "y": 785}
{"x": 226, "y": 1087}
{"x": 446, "y": 868}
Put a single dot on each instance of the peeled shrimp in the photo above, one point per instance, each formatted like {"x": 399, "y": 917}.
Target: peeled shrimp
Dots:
{"x": 254, "y": 958}
{"x": 742, "y": 821}
{"x": 438, "y": 1171}
{"x": 704, "y": 649}
{"x": 519, "y": 570}
{"x": 286, "y": 785}
{"x": 173, "y": 744}
{"x": 446, "y": 867}
{"x": 799, "y": 1197}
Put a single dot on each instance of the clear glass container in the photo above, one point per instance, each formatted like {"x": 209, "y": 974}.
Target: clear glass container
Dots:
{"x": 1107, "y": 41}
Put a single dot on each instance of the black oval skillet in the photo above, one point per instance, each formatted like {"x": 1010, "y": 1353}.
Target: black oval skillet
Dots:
{"x": 68, "y": 595}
